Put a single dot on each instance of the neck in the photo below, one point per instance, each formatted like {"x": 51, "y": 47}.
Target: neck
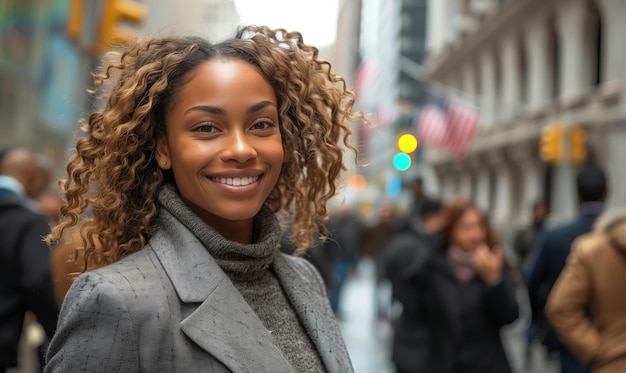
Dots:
{"x": 234, "y": 230}
{"x": 237, "y": 231}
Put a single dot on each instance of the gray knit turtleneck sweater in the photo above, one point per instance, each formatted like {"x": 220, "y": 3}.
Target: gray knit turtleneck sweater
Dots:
{"x": 248, "y": 267}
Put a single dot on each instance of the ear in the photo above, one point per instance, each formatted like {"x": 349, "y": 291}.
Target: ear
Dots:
{"x": 163, "y": 154}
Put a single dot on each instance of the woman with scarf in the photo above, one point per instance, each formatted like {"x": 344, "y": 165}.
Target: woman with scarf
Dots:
{"x": 467, "y": 295}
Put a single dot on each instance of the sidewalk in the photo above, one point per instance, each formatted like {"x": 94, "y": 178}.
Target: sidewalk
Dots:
{"x": 369, "y": 344}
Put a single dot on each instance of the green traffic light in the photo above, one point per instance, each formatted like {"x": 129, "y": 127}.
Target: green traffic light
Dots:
{"x": 401, "y": 161}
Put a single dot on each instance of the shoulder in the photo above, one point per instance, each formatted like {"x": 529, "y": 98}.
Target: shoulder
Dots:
{"x": 132, "y": 272}
{"x": 304, "y": 270}
{"x": 590, "y": 245}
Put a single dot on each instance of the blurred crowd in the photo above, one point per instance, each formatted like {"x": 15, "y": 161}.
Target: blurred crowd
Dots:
{"x": 454, "y": 283}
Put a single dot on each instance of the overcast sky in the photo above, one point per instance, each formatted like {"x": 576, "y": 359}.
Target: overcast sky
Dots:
{"x": 315, "y": 19}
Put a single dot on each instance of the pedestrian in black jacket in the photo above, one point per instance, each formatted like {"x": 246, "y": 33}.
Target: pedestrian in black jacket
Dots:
{"x": 467, "y": 295}
{"x": 25, "y": 280}
{"x": 405, "y": 255}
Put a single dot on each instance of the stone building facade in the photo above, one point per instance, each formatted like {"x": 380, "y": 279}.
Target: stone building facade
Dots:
{"x": 526, "y": 64}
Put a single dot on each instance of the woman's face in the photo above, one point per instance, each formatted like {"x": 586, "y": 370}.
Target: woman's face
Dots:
{"x": 469, "y": 231}
{"x": 223, "y": 142}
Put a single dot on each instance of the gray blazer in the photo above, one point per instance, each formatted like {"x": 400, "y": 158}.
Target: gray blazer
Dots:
{"x": 170, "y": 308}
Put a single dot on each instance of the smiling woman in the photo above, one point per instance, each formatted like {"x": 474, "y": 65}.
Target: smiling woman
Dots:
{"x": 172, "y": 195}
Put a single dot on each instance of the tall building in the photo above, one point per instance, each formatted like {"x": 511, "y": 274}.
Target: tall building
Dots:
{"x": 393, "y": 38}
{"x": 528, "y": 64}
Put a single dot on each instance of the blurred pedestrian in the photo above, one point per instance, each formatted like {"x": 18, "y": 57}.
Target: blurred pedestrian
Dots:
{"x": 50, "y": 204}
{"x": 524, "y": 242}
{"x": 587, "y": 306}
{"x": 376, "y": 238}
{"x": 467, "y": 295}
{"x": 551, "y": 254}
{"x": 472, "y": 292}
{"x": 525, "y": 239}
{"x": 346, "y": 239}
{"x": 25, "y": 280}
{"x": 418, "y": 198}
{"x": 403, "y": 259}
{"x": 175, "y": 188}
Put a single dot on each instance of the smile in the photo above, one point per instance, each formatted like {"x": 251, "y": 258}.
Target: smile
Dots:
{"x": 236, "y": 181}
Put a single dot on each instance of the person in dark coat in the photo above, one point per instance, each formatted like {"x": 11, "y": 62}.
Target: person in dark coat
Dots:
{"x": 464, "y": 294}
{"x": 404, "y": 255}
{"x": 552, "y": 251}
{"x": 346, "y": 241}
{"x": 25, "y": 280}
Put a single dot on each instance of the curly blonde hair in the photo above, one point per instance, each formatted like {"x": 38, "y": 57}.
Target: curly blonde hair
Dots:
{"x": 114, "y": 172}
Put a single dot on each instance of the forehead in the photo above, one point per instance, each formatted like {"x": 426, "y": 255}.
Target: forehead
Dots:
{"x": 223, "y": 83}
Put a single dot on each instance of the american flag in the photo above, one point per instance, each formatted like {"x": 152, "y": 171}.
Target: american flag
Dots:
{"x": 432, "y": 126}
{"x": 462, "y": 125}
{"x": 449, "y": 125}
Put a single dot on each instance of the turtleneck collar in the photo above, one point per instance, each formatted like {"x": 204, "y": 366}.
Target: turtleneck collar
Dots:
{"x": 241, "y": 262}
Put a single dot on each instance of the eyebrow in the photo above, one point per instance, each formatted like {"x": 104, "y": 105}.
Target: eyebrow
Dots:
{"x": 259, "y": 105}
{"x": 220, "y": 111}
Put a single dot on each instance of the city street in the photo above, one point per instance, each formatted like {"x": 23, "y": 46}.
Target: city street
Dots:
{"x": 369, "y": 342}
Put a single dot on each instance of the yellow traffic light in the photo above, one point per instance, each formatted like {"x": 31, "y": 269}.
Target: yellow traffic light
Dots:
{"x": 551, "y": 147}
{"x": 113, "y": 12}
{"x": 407, "y": 143}
{"x": 578, "y": 144}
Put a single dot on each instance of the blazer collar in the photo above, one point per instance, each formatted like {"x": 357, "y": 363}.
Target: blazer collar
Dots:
{"x": 223, "y": 324}
{"x": 313, "y": 307}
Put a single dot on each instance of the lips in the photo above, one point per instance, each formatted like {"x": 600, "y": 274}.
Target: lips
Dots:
{"x": 236, "y": 181}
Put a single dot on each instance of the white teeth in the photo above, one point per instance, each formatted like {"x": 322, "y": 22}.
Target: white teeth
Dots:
{"x": 236, "y": 181}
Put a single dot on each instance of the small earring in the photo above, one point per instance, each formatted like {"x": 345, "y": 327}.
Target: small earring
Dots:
{"x": 165, "y": 163}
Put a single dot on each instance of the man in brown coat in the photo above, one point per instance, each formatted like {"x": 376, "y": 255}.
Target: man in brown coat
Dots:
{"x": 593, "y": 280}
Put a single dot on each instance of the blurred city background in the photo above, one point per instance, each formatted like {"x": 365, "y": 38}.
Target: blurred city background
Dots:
{"x": 533, "y": 89}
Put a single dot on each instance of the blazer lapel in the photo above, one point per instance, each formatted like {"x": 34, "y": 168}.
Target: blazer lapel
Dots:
{"x": 223, "y": 324}
{"x": 313, "y": 309}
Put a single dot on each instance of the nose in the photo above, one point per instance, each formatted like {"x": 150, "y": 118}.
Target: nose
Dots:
{"x": 238, "y": 147}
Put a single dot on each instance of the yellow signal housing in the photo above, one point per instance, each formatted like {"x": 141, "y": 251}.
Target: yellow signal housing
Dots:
{"x": 113, "y": 12}
{"x": 578, "y": 145}
{"x": 551, "y": 146}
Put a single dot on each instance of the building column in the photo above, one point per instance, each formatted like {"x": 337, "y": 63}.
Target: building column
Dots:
{"x": 614, "y": 14}
{"x": 465, "y": 184}
{"x": 571, "y": 34}
{"x": 529, "y": 172}
{"x": 483, "y": 189}
{"x": 502, "y": 202}
{"x": 510, "y": 90}
{"x": 489, "y": 89}
{"x": 538, "y": 64}
{"x": 468, "y": 84}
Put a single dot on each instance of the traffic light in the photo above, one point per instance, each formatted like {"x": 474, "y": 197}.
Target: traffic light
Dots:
{"x": 551, "y": 147}
{"x": 93, "y": 25}
{"x": 407, "y": 143}
{"x": 113, "y": 12}
{"x": 401, "y": 161}
{"x": 578, "y": 145}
